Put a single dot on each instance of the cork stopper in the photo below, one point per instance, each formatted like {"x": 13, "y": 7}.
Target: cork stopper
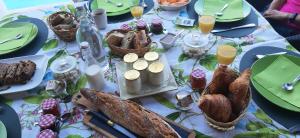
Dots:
{"x": 130, "y": 57}
{"x": 140, "y": 64}
{"x": 156, "y": 67}
{"x": 132, "y": 75}
{"x": 151, "y": 56}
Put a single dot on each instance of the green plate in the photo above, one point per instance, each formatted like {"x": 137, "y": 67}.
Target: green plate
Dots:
{"x": 94, "y": 6}
{"x": 262, "y": 64}
{"x": 246, "y": 10}
{"x": 3, "y": 133}
{"x": 34, "y": 33}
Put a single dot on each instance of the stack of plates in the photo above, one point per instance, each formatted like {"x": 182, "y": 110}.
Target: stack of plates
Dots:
{"x": 28, "y": 31}
{"x": 111, "y": 9}
{"x": 246, "y": 9}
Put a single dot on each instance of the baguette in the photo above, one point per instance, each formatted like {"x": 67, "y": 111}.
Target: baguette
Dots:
{"x": 130, "y": 115}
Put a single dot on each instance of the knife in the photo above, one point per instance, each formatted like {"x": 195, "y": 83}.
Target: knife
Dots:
{"x": 233, "y": 28}
{"x": 112, "y": 124}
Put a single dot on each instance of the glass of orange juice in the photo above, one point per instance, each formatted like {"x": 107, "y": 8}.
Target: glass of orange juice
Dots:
{"x": 226, "y": 54}
{"x": 137, "y": 12}
{"x": 206, "y": 23}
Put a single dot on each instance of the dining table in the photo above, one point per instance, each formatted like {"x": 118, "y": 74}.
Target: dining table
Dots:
{"x": 255, "y": 123}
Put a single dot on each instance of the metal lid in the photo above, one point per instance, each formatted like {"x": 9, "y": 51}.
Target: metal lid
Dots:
{"x": 130, "y": 58}
{"x": 156, "y": 67}
{"x": 132, "y": 75}
{"x": 63, "y": 65}
{"x": 140, "y": 64}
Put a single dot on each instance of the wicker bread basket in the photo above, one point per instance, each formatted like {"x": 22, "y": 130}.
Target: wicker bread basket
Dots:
{"x": 228, "y": 125}
{"x": 67, "y": 35}
{"x": 119, "y": 51}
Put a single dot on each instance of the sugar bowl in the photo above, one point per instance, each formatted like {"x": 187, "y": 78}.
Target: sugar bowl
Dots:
{"x": 195, "y": 45}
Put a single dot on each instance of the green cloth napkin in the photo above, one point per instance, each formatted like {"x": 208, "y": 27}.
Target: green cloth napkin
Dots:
{"x": 233, "y": 11}
{"x": 11, "y": 30}
{"x": 280, "y": 71}
{"x": 109, "y": 7}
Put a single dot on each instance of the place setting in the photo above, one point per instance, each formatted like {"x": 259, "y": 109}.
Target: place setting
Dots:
{"x": 275, "y": 88}
{"x": 232, "y": 19}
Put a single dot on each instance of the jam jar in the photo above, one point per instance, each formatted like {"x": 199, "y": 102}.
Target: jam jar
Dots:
{"x": 156, "y": 26}
{"x": 47, "y": 133}
{"x": 142, "y": 25}
{"x": 50, "y": 106}
{"x": 48, "y": 121}
{"x": 198, "y": 80}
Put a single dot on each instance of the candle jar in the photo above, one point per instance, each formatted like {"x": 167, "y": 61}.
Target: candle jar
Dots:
{"x": 129, "y": 59}
{"x": 47, "y": 133}
{"x": 198, "y": 80}
{"x": 151, "y": 57}
{"x": 156, "y": 73}
{"x": 133, "y": 81}
{"x": 50, "y": 106}
{"x": 141, "y": 66}
{"x": 48, "y": 121}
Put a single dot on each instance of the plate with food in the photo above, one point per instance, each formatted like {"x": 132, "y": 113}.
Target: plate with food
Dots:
{"x": 246, "y": 10}
{"x": 22, "y": 73}
{"x": 173, "y": 5}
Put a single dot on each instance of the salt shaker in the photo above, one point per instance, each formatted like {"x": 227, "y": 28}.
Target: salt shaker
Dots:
{"x": 100, "y": 18}
{"x": 133, "y": 81}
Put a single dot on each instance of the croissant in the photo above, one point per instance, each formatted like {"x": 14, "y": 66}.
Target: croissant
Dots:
{"x": 238, "y": 91}
{"x": 222, "y": 77}
{"x": 216, "y": 106}
{"x": 130, "y": 115}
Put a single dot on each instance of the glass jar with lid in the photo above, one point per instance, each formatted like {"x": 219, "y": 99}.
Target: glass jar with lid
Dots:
{"x": 195, "y": 44}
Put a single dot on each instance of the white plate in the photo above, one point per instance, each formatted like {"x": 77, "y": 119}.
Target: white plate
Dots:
{"x": 41, "y": 62}
{"x": 246, "y": 10}
{"x": 147, "y": 89}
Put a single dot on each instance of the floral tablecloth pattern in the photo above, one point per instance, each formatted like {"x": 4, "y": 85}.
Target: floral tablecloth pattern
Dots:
{"x": 255, "y": 123}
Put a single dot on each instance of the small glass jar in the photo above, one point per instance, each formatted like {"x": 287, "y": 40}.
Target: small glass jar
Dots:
{"x": 126, "y": 27}
{"x": 133, "y": 82}
{"x": 51, "y": 106}
{"x": 141, "y": 66}
{"x": 47, "y": 133}
{"x": 48, "y": 121}
{"x": 198, "y": 80}
{"x": 156, "y": 26}
{"x": 65, "y": 68}
{"x": 141, "y": 25}
{"x": 194, "y": 45}
{"x": 156, "y": 73}
{"x": 151, "y": 57}
{"x": 129, "y": 59}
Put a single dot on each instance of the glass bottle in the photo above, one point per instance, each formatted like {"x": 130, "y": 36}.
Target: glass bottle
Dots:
{"x": 87, "y": 32}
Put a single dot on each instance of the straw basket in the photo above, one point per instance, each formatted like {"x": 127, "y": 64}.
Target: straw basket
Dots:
{"x": 228, "y": 125}
{"x": 119, "y": 51}
{"x": 67, "y": 35}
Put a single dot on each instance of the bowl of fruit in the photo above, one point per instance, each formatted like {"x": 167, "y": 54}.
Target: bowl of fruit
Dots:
{"x": 172, "y": 5}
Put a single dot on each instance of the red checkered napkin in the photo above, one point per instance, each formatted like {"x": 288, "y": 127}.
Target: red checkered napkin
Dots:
{"x": 47, "y": 133}
{"x": 49, "y": 104}
{"x": 47, "y": 120}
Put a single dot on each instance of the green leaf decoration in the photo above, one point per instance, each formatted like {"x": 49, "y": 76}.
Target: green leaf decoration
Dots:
{"x": 71, "y": 8}
{"x": 290, "y": 47}
{"x": 262, "y": 116}
{"x": 173, "y": 116}
{"x": 81, "y": 83}
{"x": 253, "y": 126}
{"x": 50, "y": 44}
{"x": 179, "y": 77}
{"x": 164, "y": 101}
{"x": 209, "y": 62}
{"x": 22, "y": 16}
{"x": 74, "y": 136}
{"x": 36, "y": 99}
{"x": 260, "y": 133}
{"x": 201, "y": 135}
{"x": 57, "y": 55}
{"x": 183, "y": 57}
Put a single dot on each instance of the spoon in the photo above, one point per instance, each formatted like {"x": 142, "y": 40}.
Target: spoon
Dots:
{"x": 289, "y": 86}
{"x": 119, "y": 4}
{"x": 220, "y": 13}
{"x": 18, "y": 36}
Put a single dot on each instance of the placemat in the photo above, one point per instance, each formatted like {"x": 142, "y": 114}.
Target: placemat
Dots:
{"x": 11, "y": 121}
{"x": 252, "y": 18}
{"x": 34, "y": 46}
{"x": 126, "y": 16}
{"x": 284, "y": 117}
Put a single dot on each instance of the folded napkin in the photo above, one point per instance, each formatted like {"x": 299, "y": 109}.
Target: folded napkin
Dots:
{"x": 280, "y": 71}
{"x": 11, "y": 30}
{"x": 233, "y": 11}
{"x": 111, "y": 8}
